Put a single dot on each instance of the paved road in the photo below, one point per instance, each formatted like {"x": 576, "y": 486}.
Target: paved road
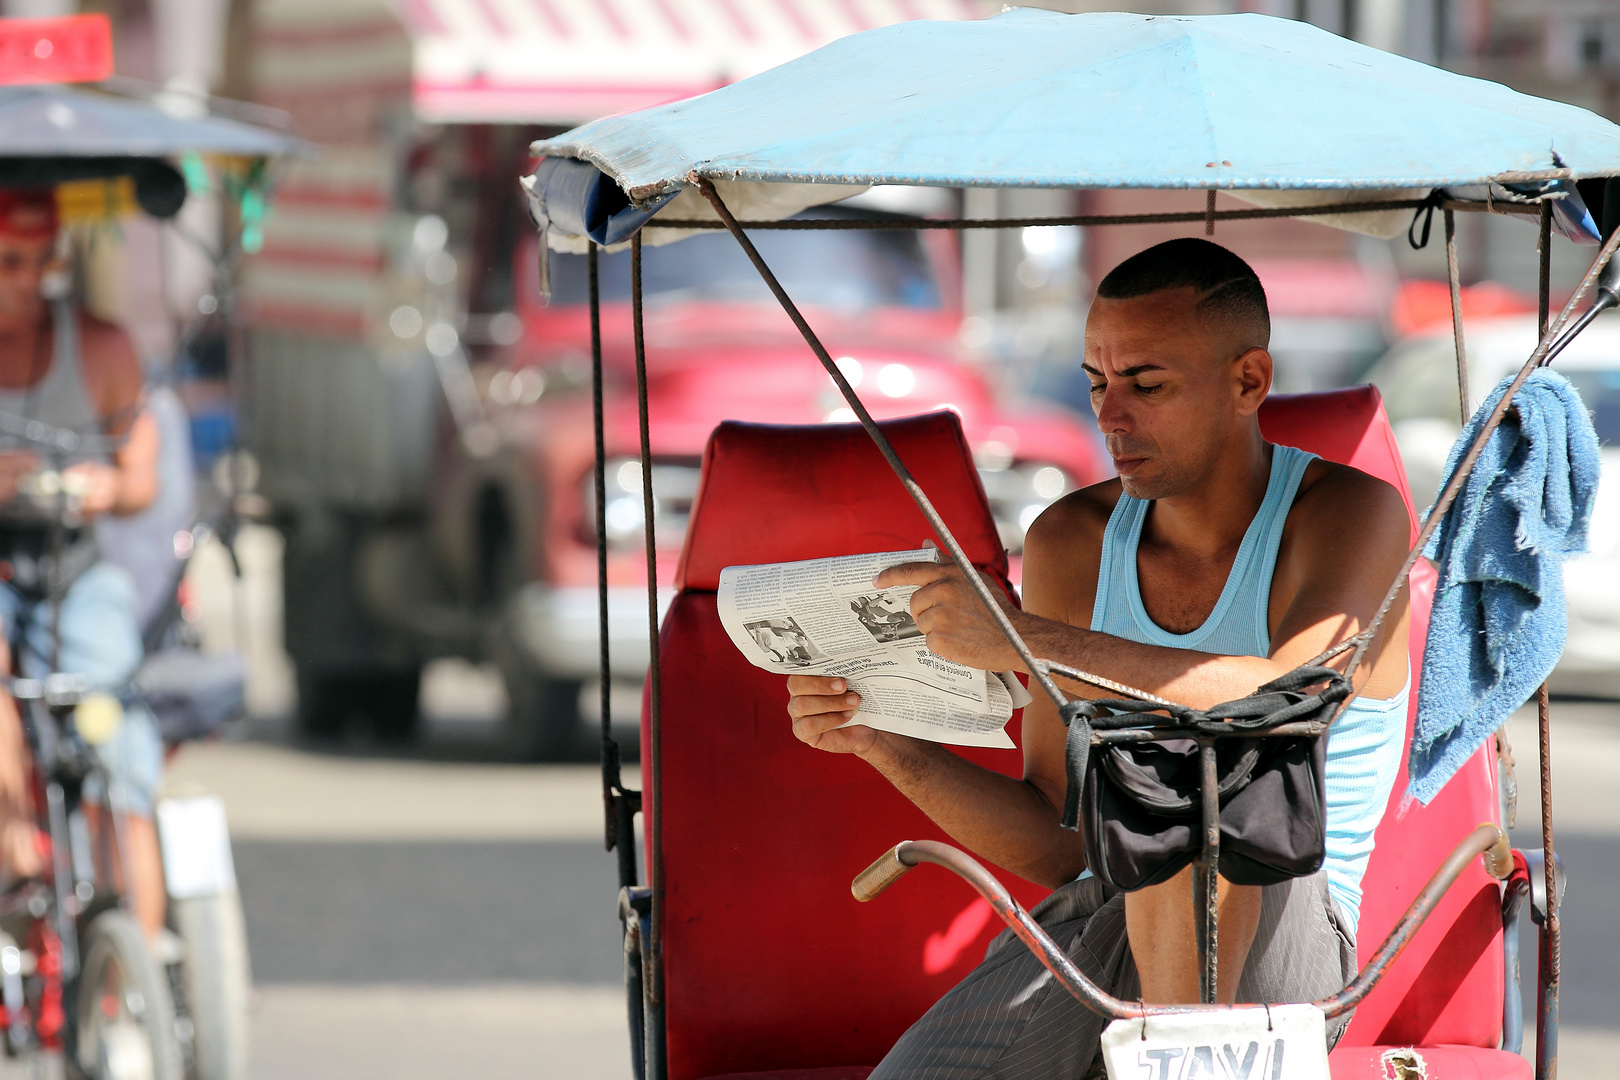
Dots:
{"x": 424, "y": 916}
{"x": 435, "y": 911}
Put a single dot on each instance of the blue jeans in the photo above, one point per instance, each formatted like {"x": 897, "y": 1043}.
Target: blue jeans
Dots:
{"x": 100, "y": 640}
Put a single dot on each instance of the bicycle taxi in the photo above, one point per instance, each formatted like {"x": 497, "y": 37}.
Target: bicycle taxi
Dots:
{"x": 744, "y": 954}
{"x": 77, "y": 974}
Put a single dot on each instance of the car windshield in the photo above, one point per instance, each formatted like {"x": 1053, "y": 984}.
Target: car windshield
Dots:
{"x": 1600, "y": 389}
{"x": 844, "y": 269}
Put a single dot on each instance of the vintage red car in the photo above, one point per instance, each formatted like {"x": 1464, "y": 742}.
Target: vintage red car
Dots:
{"x": 718, "y": 347}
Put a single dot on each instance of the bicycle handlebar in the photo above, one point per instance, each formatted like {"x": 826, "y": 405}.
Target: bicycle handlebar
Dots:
{"x": 1487, "y": 840}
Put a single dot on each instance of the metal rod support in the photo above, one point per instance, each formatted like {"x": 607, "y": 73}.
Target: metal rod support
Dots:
{"x": 1206, "y": 877}
{"x": 653, "y": 971}
{"x": 1037, "y": 672}
{"x": 1454, "y": 278}
{"x": 1548, "y": 959}
{"x": 1089, "y": 220}
{"x": 1548, "y": 955}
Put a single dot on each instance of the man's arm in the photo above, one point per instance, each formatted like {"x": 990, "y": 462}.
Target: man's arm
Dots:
{"x": 113, "y": 378}
{"x": 1343, "y": 545}
{"x": 1012, "y": 823}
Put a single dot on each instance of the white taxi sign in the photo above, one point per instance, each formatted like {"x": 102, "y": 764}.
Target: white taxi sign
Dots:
{"x": 1280, "y": 1042}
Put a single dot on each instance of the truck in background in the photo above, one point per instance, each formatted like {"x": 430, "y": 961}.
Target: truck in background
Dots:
{"x": 420, "y": 419}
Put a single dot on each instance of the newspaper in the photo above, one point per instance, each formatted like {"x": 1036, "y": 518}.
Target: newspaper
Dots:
{"x": 824, "y": 617}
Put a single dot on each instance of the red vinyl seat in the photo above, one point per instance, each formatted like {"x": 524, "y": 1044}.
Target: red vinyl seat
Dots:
{"x": 1446, "y": 988}
{"x": 769, "y": 962}
{"x": 771, "y": 969}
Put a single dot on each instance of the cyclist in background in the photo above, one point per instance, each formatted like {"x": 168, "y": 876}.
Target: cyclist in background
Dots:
{"x": 65, "y": 368}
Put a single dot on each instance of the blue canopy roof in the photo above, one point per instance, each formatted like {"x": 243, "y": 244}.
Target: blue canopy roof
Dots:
{"x": 64, "y": 122}
{"x": 1040, "y": 99}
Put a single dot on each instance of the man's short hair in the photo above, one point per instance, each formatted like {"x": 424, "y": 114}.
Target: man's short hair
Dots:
{"x": 1227, "y": 287}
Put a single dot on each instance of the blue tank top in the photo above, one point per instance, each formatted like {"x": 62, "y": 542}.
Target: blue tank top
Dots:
{"x": 1364, "y": 744}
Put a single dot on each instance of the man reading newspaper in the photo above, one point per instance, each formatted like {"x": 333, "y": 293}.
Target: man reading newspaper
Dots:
{"x": 1213, "y": 563}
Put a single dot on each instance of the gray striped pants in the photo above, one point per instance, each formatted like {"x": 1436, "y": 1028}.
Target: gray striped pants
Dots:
{"x": 1008, "y": 1020}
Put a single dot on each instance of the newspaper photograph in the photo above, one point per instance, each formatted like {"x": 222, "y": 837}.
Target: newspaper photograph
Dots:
{"x": 824, "y": 617}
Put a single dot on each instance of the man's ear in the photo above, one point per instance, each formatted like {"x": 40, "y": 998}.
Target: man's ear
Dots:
{"x": 1253, "y": 371}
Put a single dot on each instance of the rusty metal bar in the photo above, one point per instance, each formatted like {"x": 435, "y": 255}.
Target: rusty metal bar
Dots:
{"x": 958, "y": 556}
{"x": 1549, "y": 955}
{"x": 1118, "y": 736}
{"x": 599, "y": 479}
{"x": 1089, "y": 220}
{"x": 1544, "y": 257}
{"x": 1053, "y": 667}
{"x": 894, "y": 863}
{"x": 1548, "y": 959}
{"x": 1487, "y": 839}
{"x": 1205, "y": 877}
{"x": 619, "y": 806}
{"x": 1454, "y": 278}
{"x": 654, "y": 974}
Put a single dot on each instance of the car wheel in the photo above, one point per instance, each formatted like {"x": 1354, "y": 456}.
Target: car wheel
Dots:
{"x": 385, "y": 701}
{"x": 542, "y": 718}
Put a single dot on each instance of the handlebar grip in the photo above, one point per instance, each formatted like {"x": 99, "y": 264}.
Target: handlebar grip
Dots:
{"x": 1499, "y": 856}
{"x": 887, "y": 870}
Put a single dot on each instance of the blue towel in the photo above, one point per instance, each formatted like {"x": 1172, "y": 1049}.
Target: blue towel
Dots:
{"x": 1499, "y": 621}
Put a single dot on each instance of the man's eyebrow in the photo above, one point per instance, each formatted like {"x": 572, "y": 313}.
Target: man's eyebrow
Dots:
{"x": 1128, "y": 372}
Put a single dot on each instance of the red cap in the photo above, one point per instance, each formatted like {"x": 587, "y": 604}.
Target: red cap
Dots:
{"x": 28, "y": 213}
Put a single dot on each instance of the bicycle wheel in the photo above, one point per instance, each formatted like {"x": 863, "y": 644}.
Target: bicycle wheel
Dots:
{"x": 217, "y": 981}
{"x": 124, "y": 1016}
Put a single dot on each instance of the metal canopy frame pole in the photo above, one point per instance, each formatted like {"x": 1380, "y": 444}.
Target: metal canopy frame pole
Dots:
{"x": 1548, "y": 955}
{"x": 1167, "y": 218}
{"x": 620, "y": 806}
{"x": 1454, "y": 279}
{"x": 652, "y": 957}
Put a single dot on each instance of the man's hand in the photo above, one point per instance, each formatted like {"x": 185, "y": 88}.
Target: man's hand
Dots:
{"x": 97, "y": 486}
{"x": 949, "y": 612}
{"x": 14, "y": 465}
{"x": 819, "y": 706}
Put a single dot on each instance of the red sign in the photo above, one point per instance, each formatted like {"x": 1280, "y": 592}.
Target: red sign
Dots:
{"x": 75, "y": 48}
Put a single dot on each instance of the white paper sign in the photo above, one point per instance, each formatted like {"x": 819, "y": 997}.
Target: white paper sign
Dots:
{"x": 196, "y": 847}
{"x": 1286, "y": 1042}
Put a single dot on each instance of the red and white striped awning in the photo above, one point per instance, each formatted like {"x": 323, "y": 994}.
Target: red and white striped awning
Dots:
{"x": 568, "y": 61}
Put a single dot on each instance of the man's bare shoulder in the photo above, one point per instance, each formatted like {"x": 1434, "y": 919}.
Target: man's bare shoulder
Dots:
{"x": 1063, "y": 550}
{"x": 112, "y": 371}
{"x": 1338, "y": 503}
{"x": 1077, "y": 517}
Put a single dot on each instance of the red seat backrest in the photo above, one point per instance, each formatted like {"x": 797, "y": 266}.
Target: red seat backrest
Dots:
{"x": 1447, "y": 985}
{"x": 769, "y": 961}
